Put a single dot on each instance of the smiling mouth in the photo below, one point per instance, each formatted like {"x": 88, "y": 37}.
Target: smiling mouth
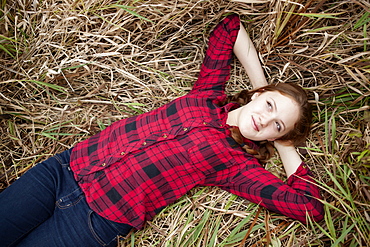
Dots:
{"x": 254, "y": 124}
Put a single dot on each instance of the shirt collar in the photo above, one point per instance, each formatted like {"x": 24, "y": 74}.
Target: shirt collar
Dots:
{"x": 224, "y": 110}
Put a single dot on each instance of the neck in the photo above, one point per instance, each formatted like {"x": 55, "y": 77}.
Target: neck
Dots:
{"x": 232, "y": 117}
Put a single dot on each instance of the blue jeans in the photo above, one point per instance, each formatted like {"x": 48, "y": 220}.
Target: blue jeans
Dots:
{"x": 46, "y": 207}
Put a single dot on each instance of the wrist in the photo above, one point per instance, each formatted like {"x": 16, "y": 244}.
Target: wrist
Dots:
{"x": 289, "y": 156}
{"x": 284, "y": 146}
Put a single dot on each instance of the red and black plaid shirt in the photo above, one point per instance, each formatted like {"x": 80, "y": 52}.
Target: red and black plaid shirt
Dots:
{"x": 137, "y": 166}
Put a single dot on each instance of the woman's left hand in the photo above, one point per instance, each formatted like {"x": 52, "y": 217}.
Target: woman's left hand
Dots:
{"x": 289, "y": 156}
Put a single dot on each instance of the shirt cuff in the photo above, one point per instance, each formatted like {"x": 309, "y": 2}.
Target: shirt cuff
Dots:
{"x": 302, "y": 172}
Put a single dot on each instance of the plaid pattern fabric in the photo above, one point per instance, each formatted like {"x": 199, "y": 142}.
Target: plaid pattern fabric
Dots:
{"x": 137, "y": 166}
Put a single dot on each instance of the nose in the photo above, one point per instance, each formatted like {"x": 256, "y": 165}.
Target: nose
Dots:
{"x": 266, "y": 119}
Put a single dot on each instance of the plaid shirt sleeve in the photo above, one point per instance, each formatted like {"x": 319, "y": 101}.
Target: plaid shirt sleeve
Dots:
{"x": 298, "y": 198}
{"x": 215, "y": 70}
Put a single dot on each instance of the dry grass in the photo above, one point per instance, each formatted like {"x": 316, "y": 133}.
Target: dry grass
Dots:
{"x": 70, "y": 68}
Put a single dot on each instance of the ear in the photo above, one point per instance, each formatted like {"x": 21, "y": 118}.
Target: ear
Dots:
{"x": 255, "y": 95}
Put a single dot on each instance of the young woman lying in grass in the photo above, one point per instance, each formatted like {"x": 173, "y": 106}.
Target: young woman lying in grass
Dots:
{"x": 123, "y": 176}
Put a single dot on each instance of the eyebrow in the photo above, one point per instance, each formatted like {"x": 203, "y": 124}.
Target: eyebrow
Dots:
{"x": 275, "y": 107}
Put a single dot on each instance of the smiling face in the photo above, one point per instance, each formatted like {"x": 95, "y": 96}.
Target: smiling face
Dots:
{"x": 268, "y": 116}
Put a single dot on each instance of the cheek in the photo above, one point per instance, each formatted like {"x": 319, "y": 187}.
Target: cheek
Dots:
{"x": 247, "y": 132}
{"x": 245, "y": 122}
{"x": 271, "y": 133}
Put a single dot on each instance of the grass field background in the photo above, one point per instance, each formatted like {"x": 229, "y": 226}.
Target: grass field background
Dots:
{"x": 70, "y": 68}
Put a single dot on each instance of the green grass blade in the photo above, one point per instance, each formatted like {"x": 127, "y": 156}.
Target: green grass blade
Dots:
{"x": 321, "y": 15}
{"x": 127, "y": 8}
{"x": 333, "y": 134}
{"x": 9, "y": 39}
{"x": 285, "y": 21}
{"x": 343, "y": 235}
{"x": 329, "y": 222}
{"x": 365, "y": 37}
{"x": 77, "y": 66}
{"x": 6, "y": 50}
{"x": 234, "y": 235}
{"x": 362, "y": 21}
{"x": 326, "y": 131}
{"x": 45, "y": 84}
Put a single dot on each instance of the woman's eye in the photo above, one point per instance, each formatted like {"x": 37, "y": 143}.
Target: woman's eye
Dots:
{"x": 269, "y": 105}
{"x": 278, "y": 126}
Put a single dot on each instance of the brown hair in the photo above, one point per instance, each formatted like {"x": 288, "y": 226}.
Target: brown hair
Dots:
{"x": 301, "y": 128}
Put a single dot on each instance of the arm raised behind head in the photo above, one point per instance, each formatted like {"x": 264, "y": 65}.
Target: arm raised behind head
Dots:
{"x": 289, "y": 156}
{"x": 247, "y": 55}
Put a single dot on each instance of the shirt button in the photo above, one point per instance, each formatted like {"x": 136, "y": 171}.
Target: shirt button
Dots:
{"x": 103, "y": 164}
{"x": 123, "y": 153}
{"x": 185, "y": 129}
{"x": 205, "y": 123}
{"x": 164, "y": 136}
{"x": 144, "y": 143}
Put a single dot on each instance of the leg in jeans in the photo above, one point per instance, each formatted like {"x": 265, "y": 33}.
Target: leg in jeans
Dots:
{"x": 46, "y": 207}
{"x": 28, "y": 202}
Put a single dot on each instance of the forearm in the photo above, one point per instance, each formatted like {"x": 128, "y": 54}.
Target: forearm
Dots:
{"x": 295, "y": 198}
{"x": 247, "y": 55}
{"x": 289, "y": 156}
{"x": 215, "y": 70}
